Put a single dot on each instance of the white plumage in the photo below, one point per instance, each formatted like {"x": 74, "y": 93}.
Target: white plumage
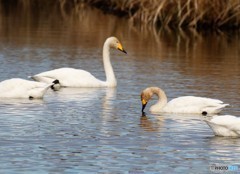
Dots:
{"x": 186, "y": 104}
{"x": 70, "y": 77}
{"x": 20, "y": 88}
{"x": 225, "y": 125}
{"x": 192, "y": 104}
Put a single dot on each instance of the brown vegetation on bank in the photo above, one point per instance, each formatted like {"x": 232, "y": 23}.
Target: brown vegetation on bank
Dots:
{"x": 176, "y": 13}
{"x": 172, "y": 13}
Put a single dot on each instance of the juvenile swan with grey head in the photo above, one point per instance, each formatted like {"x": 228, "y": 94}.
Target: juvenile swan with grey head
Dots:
{"x": 70, "y": 77}
{"x": 185, "y": 104}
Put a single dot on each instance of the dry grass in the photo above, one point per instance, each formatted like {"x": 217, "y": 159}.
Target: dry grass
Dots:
{"x": 171, "y": 13}
{"x": 178, "y": 13}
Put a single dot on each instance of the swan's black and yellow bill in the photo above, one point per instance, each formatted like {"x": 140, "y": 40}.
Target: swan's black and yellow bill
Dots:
{"x": 144, "y": 103}
{"x": 119, "y": 47}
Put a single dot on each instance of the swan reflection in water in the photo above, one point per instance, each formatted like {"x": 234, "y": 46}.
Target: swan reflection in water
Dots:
{"x": 151, "y": 125}
{"x": 77, "y": 94}
{"x": 86, "y": 99}
{"x": 108, "y": 101}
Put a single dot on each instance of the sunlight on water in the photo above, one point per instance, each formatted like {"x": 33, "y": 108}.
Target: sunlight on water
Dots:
{"x": 102, "y": 130}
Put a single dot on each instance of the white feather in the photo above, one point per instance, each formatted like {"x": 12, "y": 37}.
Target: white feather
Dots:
{"x": 225, "y": 125}
{"x": 69, "y": 77}
{"x": 20, "y": 88}
{"x": 192, "y": 104}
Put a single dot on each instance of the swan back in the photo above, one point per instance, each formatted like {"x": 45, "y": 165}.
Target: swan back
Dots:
{"x": 69, "y": 77}
{"x": 192, "y": 104}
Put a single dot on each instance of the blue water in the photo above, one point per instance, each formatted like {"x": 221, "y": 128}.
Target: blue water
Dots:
{"x": 102, "y": 130}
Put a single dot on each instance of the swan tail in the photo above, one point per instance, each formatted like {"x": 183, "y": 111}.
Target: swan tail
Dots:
{"x": 214, "y": 110}
{"x": 43, "y": 79}
{"x": 220, "y": 108}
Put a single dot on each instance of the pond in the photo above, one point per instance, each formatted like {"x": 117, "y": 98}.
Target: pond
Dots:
{"x": 101, "y": 130}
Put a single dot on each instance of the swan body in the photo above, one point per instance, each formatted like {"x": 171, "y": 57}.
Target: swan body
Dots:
{"x": 70, "y": 77}
{"x": 185, "y": 104}
{"x": 20, "y": 88}
{"x": 225, "y": 125}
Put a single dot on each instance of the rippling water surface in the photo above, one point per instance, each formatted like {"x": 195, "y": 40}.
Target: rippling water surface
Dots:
{"x": 103, "y": 130}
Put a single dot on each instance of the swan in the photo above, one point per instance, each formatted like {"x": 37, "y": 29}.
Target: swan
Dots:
{"x": 21, "y": 88}
{"x": 225, "y": 125}
{"x": 70, "y": 77}
{"x": 185, "y": 104}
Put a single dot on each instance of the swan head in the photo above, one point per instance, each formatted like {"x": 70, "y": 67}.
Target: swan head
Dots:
{"x": 146, "y": 95}
{"x": 115, "y": 43}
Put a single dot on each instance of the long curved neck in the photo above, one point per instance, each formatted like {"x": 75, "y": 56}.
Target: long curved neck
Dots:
{"x": 162, "y": 99}
{"x": 110, "y": 76}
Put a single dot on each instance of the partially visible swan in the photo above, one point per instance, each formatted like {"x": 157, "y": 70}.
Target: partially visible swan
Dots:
{"x": 20, "y": 88}
{"x": 70, "y": 77}
{"x": 225, "y": 125}
{"x": 186, "y": 104}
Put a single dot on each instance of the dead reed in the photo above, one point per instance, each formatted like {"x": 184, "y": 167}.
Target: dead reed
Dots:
{"x": 171, "y": 13}
{"x": 177, "y": 13}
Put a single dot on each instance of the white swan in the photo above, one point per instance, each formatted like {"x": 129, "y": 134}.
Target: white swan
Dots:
{"x": 225, "y": 125}
{"x": 20, "y": 88}
{"x": 70, "y": 77}
{"x": 186, "y": 104}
